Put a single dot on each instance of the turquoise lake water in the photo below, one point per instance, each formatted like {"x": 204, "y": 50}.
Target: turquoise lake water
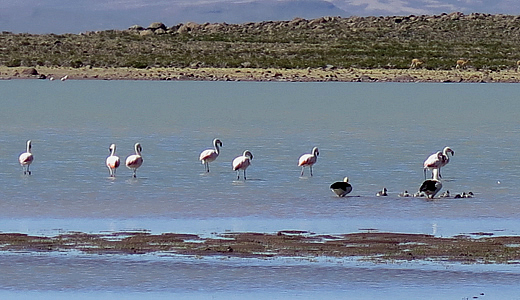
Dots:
{"x": 376, "y": 134}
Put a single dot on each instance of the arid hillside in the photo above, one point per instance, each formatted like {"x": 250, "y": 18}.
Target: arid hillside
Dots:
{"x": 485, "y": 42}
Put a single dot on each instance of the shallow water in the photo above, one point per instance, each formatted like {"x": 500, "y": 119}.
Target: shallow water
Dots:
{"x": 377, "y": 134}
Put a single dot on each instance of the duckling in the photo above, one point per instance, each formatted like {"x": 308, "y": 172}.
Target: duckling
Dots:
{"x": 445, "y": 194}
{"x": 466, "y": 195}
{"x": 404, "y": 194}
{"x": 382, "y": 193}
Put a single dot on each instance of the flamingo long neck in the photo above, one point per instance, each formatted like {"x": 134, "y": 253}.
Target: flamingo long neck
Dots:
{"x": 29, "y": 147}
{"x": 445, "y": 156}
{"x": 113, "y": 151}
{"x": 217, "y": 149}
{"x": 137, "y": 150}
{"x": 248, "y": 155}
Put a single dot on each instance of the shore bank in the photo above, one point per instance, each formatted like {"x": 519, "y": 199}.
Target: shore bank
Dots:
{"x": 370, "y": 246}
{"x": 253, "y": 74}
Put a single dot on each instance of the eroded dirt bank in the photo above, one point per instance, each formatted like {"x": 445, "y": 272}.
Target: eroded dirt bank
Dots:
{"x": 272, "y": 74}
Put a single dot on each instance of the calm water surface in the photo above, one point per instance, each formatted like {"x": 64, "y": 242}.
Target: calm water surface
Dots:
{"x": 377, "y": 134}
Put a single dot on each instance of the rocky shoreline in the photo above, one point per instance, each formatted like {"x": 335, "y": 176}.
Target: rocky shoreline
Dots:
{"x": 325, "y": 74}
{"x": 369, "y": 246}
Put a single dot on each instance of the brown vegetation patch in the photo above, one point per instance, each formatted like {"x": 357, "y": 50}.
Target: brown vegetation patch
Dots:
{"x": 370, "y": 246}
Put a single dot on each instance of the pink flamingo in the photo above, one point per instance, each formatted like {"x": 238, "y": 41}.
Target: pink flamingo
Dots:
{"x": 210, "y": 155}
{"x": 112, "y": 161}
{"x": 26, "y": 158}
{"x": 134, "y": 161}
{"x": 242, "y": 162}
{"x": 309, "y": 159}
{"x": 438, "y": 160}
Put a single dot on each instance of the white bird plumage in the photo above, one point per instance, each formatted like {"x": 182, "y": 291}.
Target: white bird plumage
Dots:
{"x": 309, "y": 159}
{"x": 242, "y": 162}
{"x": 134, "y": 161}
{"x": 210, "y": 155}
{"x": 438, "y": 160}
{"x": 26, "y": 158}
{"x": 341, "y": 188}
{"x": 112, "y": 162}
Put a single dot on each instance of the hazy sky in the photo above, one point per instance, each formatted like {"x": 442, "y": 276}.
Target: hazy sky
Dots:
{"x": 59, "y": 16}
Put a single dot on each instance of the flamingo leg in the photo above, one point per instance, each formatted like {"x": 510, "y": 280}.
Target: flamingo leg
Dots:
{"x": 311, "y": 169}
{"x": 245, "y": 175}
{"x": 303, "y": 168}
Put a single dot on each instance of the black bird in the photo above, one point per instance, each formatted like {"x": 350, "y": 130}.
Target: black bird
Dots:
{"x": 341, "y": 188}
{"x": 431, "y": 187}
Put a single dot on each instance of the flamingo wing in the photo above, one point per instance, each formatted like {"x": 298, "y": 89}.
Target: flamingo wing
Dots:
{"x": 241, "y": 163}
{"x": 113, "y": 162}
{"x": 306, "y": 160}
{"x": 433, "y": 161}
{"x": 134, "y": 161}
{"x": 26, "y": 158}
{"x": 208, "y": 155}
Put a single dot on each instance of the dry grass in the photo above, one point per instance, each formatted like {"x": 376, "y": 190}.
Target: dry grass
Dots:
{"x": 490, "y": 42}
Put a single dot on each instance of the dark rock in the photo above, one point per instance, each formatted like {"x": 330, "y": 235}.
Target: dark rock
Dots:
{"x": 29, "y": 71}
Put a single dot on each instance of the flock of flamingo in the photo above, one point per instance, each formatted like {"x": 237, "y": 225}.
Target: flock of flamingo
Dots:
{"x": 134, "y": 161}
{"x": 429, "y": 188}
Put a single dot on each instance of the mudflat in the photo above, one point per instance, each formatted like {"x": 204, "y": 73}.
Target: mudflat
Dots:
{"x": 371, "y": 246}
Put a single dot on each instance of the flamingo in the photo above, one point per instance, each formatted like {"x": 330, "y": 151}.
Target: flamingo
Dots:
{"x": 112, "y": 161}
{"x": 341, "y": 188}
{"x": 431, "y": 187}
{"x": 308, "y": 159}
{"x": 210, "y": 155}
{"x": 134, "y": 161}
{"x": 438, "y": 160}
{"x": 242, "y": 162}
{"x": 26, "y": 158}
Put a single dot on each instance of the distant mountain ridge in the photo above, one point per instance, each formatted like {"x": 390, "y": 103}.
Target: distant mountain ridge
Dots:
{"x": 75, "y": 16}
{"x": 43, "y": 19}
